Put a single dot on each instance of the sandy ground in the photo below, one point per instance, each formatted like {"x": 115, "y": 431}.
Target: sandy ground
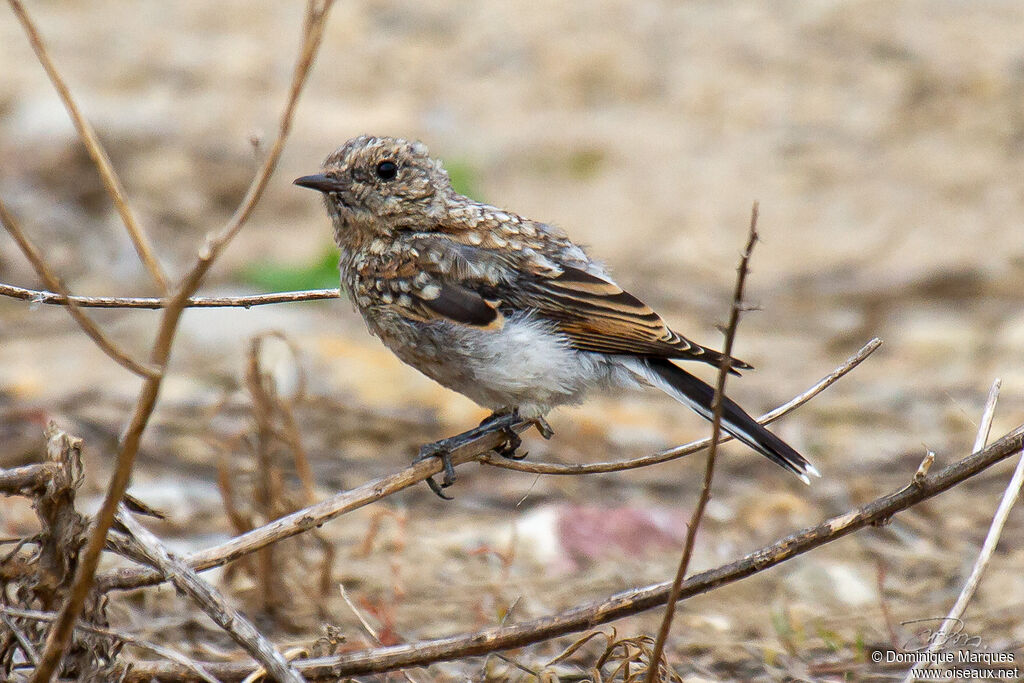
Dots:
{"x": 884, "y": 141}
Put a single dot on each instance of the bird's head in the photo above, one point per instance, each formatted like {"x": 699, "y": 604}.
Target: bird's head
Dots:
{"x": 377, "y": 185}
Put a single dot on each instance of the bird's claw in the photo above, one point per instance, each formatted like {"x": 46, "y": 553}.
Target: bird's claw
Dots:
{"x": 511, "y": 445}
{"x": 443, "y": 449}
{"x": 438, "y": 450}
{"x": 543, "y": 428}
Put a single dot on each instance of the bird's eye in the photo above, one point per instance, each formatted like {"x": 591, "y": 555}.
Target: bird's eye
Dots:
{"x": 387, "y": 170}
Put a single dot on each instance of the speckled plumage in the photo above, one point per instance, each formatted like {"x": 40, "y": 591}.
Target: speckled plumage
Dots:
{"x": 503, "y": 309}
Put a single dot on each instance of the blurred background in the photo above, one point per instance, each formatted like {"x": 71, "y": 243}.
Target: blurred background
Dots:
{"x": 884, "y": 141}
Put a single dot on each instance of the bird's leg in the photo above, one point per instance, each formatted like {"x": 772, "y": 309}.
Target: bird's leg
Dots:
{"x": 444, "y": 448}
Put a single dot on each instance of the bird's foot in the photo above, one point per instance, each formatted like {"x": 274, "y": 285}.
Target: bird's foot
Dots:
{"x": 439, "y": 449}
{"x": 512, "y": 439}
{"x": 500, "y": 422}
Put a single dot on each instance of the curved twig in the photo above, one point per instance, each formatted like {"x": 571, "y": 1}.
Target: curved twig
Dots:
{"x": 346, "y": 501}
{"x": 625, "y": 603}
{"x": 686, "y": 449}
{"x": 88, "y": 325}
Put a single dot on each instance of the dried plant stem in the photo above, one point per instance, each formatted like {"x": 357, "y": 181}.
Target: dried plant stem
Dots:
{"x": 59, "y": 634}
{"x": 159, "y": 650}
{"x": 987, "y": 414}
{"x": 58, "y": 299}
{"x": 654, "y": 665}
{"x": 1010, "y": 495}
{"x": 109, "y": 347}
{"x": 626, "y": 603}
{"x": 92, "y": 144}
{"x": 209, "y": 600}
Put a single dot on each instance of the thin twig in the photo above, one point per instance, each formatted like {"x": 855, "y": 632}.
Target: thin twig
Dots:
{"x": 26, "y": 647}
{"x": 346, "y": 501}
{"x": 941, "y": 637}
{"x": 208, "y": 599}
{"x": 654, "y": 665}
{"x": 987, "y": 414}
{"x": 39, "y": 296}
{"x": 88, "y": 325}
{"x": 57, "y": 639}
{"x": 590, "y": 615}
{"x": 692, "y": 447}
{"x": 96, "y": 151}
{"x": 367, "y": 628}
{"x": 159, "y": 650}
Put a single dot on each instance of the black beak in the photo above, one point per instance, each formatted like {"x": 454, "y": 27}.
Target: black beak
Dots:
{"x": 319, "y": 182}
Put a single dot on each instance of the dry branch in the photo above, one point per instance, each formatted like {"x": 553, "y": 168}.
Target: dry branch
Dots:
{"x": 346, "y": 501}
{"x": 686, "y": 449}
{"x": 209, "y": 600}
{"x": 626, "y": 603}
{"x": 38, "y": 296}
{"x": 941, "y": 638}
{"x": 88, "y": 325}
{"x": 316, "y": 14}
{"x": 44, "y": 577}
{"x": 159, "y": 650}
{"x": 654, "y": 664}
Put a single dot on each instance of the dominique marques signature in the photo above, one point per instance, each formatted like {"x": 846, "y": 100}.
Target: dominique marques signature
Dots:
{"x": 942, "y": 631}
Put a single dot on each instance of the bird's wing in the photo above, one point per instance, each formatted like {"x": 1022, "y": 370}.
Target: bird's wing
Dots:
{"x": 597, "y": 315}
{"x": 479, "y": 287}
{"x": 428, "y": 278}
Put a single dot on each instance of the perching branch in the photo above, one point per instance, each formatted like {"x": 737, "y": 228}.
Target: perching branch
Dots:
{"x": 654, "y": 665}
{"x": 686, "y": 449}
{"x": 591, "y": 614}
{"x": 346, "y": 501}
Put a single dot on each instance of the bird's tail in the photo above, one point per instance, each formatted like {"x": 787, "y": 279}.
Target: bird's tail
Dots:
{"x": 699, "y": 395}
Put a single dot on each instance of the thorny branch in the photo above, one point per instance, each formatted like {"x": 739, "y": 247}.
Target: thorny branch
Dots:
{"x": 654, "y": 666}
{"x": 591, "y": 614}
{"x": 316, "y": 13}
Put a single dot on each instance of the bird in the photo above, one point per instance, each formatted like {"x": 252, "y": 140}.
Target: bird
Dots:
{"x": 505, "y": 310}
